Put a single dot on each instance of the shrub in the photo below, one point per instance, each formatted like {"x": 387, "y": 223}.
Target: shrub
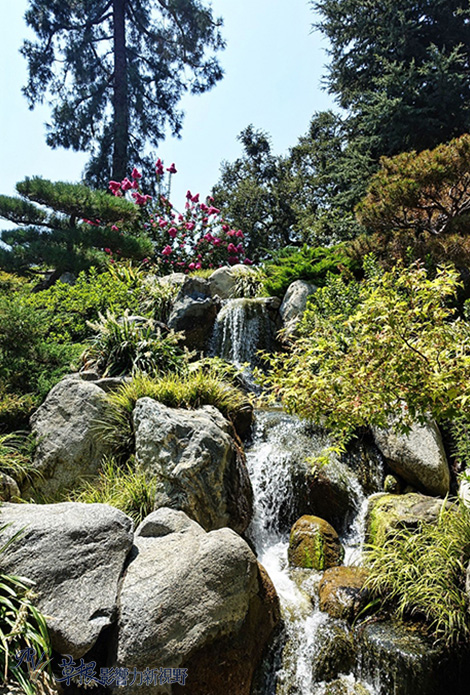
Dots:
{"x": 14, "y": 460}
{"x": 396, "y": 351}
{"x": 422, "y": 574}
{"x": 127, "y": 344}
{"x": 311, "y": 264}
{"x": 127, "y": 488}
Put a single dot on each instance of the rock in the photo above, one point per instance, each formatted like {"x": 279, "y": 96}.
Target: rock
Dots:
{"x": 387, "y": 513}
{"x": 68, "y": 278}
{"x": 195, "y": 317}
{"x": 223, "y": 280}
{"x": 196, "y": 600}
{"x": 68, "y": 446}
{"x": 112, "y": 383}
{"x": 75, "y": 554}
{"x": 9, "y": 489}
{"x": 392, "y": 485}
{"x": 342, "y": 593}
{"x": 346, "y": 686}
{"x": 198, "y": 466}
{"x": 314, "y": 544}
{"x": 334, "y": 652}
{"x": 399, "y": 659}
{"x": 418, "y": 457}
{"x": 195, "y": 287}
{"x": 294, "y": 304}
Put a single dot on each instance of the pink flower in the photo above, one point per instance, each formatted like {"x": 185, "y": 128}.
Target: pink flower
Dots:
{"x": 190, "y": 226}
{"x": 172, "y": 169}
{"x": 208, "y": 236}
{"x": 159, "y": 167}
{"x": 198, "y": 265}
{"x": 240, "y": 234}
{"x": 139, "y": 199}
{"x": 167, "y": 250}
{"x": 213, "y": 211}
{"x": 217, "y": 242}
{"x": 135, "y": 184}
{"x": 231, "y": 248}
{"x": 107, "y": 250}
{"x": 114, "y": 187}
{"x": 195, "y": 198}
{"x": 162, "y": 223}
{"x": 147, "y": 198}
{"x": 210, "y": 199}
{"x": 231, "y": 233}
{"x": 233, "y": 260}
{"x": 136, "y": 174}
{"x": 172, "y": 232}
{"x": 126, "y": 185}
{"x": 189, "y": 195}
{"x": 145, "y": 260}
{"x": 240, "y": 248}
{"x": 225, "y": 227}
{"x": 191, "y": 266}
{"x": 203, "y": 207}
{"x": 247, "y": 261}
{"x": 180, "y": 218}
{"x": 115, "y": 228}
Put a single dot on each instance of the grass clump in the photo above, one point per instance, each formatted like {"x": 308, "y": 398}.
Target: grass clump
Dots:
{"x": 422, "y": 574}
{"x": 127, "y": 488}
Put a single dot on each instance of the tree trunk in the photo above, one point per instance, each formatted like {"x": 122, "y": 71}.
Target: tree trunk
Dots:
{"x": 120, "y": 98}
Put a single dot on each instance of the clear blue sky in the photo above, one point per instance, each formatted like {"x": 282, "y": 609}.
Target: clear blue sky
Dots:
{"x": 273, "y": 67}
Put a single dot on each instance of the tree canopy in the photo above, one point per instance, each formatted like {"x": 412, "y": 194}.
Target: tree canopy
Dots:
{"x": 114, "y": 72}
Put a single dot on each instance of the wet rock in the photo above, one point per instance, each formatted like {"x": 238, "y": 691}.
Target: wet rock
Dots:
{"x": 314, "y": 544}
{"x": 196, "y": 600}
{"x": 387, "y": 513}
{"x": 294, "y": 304}
{"x": 418, "y": 457}
{"x": 198, "y": 466}
{"x": 75, "y": 554}
{"x": 399, "y": 659}
{"x": 68, "y": 445}
{"x": 335, "y": 652}
{"x": 342, "y": 593}
{"x": 346, "y": 686}
{"x": 195, "y": 318}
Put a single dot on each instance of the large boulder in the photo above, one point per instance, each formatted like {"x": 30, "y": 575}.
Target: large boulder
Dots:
{"x": 389, "y": 513}
{"x": 195, "y": 317}
{"x": 294, "y": 304}
{"x": 418, "y": 457}
{"x": 198, "y": 466}
{"x": 342, "y": 593}
{"x": 314, "y": 544}
{"x": 75, "y": 554}
{"x": 68, "y": 445}
{"x": 194, "y": 600}
{"x": 223, "y": 280}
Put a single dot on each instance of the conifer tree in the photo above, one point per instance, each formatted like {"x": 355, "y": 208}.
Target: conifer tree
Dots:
{"x": 67, "y": 227}
{"x": 114, "y": 72}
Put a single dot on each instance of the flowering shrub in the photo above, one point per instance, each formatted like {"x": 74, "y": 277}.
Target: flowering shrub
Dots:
{"x": 183, "y": 241}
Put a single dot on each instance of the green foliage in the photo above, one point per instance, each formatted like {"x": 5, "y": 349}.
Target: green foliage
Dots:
{"x": 157, "y": 297}
{"x": 78, "y": 230}
{"x": 396, "y": 351}
{"x": 70, "y": 308}
{"x": 422, "y": 574}
{"x": 312, "y": 264}
{"x": 133, "y": 343}
{"x": 21, "y": 626}
{"x": 14, "y": 460}
{"x": 125, "y": 487}
{"x": 198, "y": 387}
{"x": 249, "y": 284}
{"x": 114, "y": 100}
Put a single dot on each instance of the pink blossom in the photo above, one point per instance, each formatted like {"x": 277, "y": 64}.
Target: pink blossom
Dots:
{"x": 190, "y": 226}
{"x": 203, "y": 207}
{"x": 225, "y": 227}
{"x": 145, "y": 260}
{"x": 213, "y": 211}
{"x": 240, "y": 248}
{"x": 231, "y": 248}
{"x": 114, "y": 228}
{"x": 172, "y": 232}
{"x": 210, "y": 199}
{"x": 195, "y": 198}
{"x": 139, "y": 199}
{"x": 232, "y": 233}
{"x": 114, "y": 187}
{"x": 240, "y": 234}
{"x": 180, "y": 218}
{"x": 126, "y": 185}
{"x": 208, "y": 236}
{"x": 198, "y": 265}
{"x": 107, "y": 250}
{"x": 135, "y": 184}
{"x": 233, "y": 260}
{"x": 247, "y": 261}
{"x": 159, "y": 167}
{"x": 205, "y": 220}
{"x": 189, "y": 195}
{"x": 191, "y": 266}
{"x": 172, "y": 168}
{"x": 167, "y": 250}
{"x": 217, "y": 241}
{"x": 136, "y": 174}
{"x": 147, "y": 198}
{"x": 162, "y": 223}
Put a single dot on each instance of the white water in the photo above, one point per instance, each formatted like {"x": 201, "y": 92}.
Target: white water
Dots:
{"x": 277, "y": 444}
{"x": 239, "y": 329}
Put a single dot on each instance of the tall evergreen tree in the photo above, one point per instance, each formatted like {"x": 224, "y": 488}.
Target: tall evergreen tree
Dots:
{"x": 114, "y": 72}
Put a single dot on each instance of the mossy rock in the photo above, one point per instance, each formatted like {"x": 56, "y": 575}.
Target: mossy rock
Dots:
{"x": 389, "y": 513}
{"x": 314, "y": 544}
{"x": 343, "y": 687}
{"x": 342, "y": 592}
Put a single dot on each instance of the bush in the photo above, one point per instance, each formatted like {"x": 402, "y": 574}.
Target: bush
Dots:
{"x": 422, "y": 574}
{"x": 127, "y": 488}
{"x": 311, "y": 264}
{"x": 128, "y": 344}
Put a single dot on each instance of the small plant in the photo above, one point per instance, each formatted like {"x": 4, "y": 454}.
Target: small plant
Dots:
{"x": 249, "y": 283}
{"x": 128, "y": 344}
{"x": 157, "y": 297}
{"x": 14, "y": 460}
{"x": 125, "y": 487}
{"x": 422, "y": 574}
{"x": 21, "y": 626}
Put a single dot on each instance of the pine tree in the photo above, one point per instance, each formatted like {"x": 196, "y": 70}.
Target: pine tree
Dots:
{"x": 114, "y": 72}
{"x": 67, "y": 227}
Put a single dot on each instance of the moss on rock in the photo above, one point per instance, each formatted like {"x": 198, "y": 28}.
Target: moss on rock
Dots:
{"x": 314, "y": 544}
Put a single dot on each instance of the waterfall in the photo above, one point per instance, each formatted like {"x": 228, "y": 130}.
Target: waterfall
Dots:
{"x": 279, "y": 442}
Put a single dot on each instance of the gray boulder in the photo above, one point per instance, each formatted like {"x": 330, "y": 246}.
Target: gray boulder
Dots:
{"x": 223, "y": 280}
{"x": 195, "y": 317}
{"x": 294, "y": 304}
{"x": 184, "y": 591}
{"x": 74, "y": 553}
{"x": 199, "y": 468}
{"x": 68, "y": 447}
{"x": 389, "y": 513}
{"x": 418, "y": 457}
{"x": 9, "y": 489}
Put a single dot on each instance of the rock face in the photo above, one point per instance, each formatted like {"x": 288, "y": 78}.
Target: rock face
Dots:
{"x": 188, "y": 596}
{"x": 314, "y": 544}
{"x": 388, "y": 513}
{"x": 68, "y": 447}
{"x": 342, "y": 593}
{"x": 195, "y": 317}
{"x": 75, "y": 554}
{"x": 334, "y": 653}
{"x": 197, "y": 464}
{"x": 294, "y": 304}
{"x": 9, "y": 489}
{"x": 222, "y": 281}
{"x": 418, "y": 457}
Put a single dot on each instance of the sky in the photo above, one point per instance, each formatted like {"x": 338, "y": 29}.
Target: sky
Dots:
{"x": 273, "y": 66}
